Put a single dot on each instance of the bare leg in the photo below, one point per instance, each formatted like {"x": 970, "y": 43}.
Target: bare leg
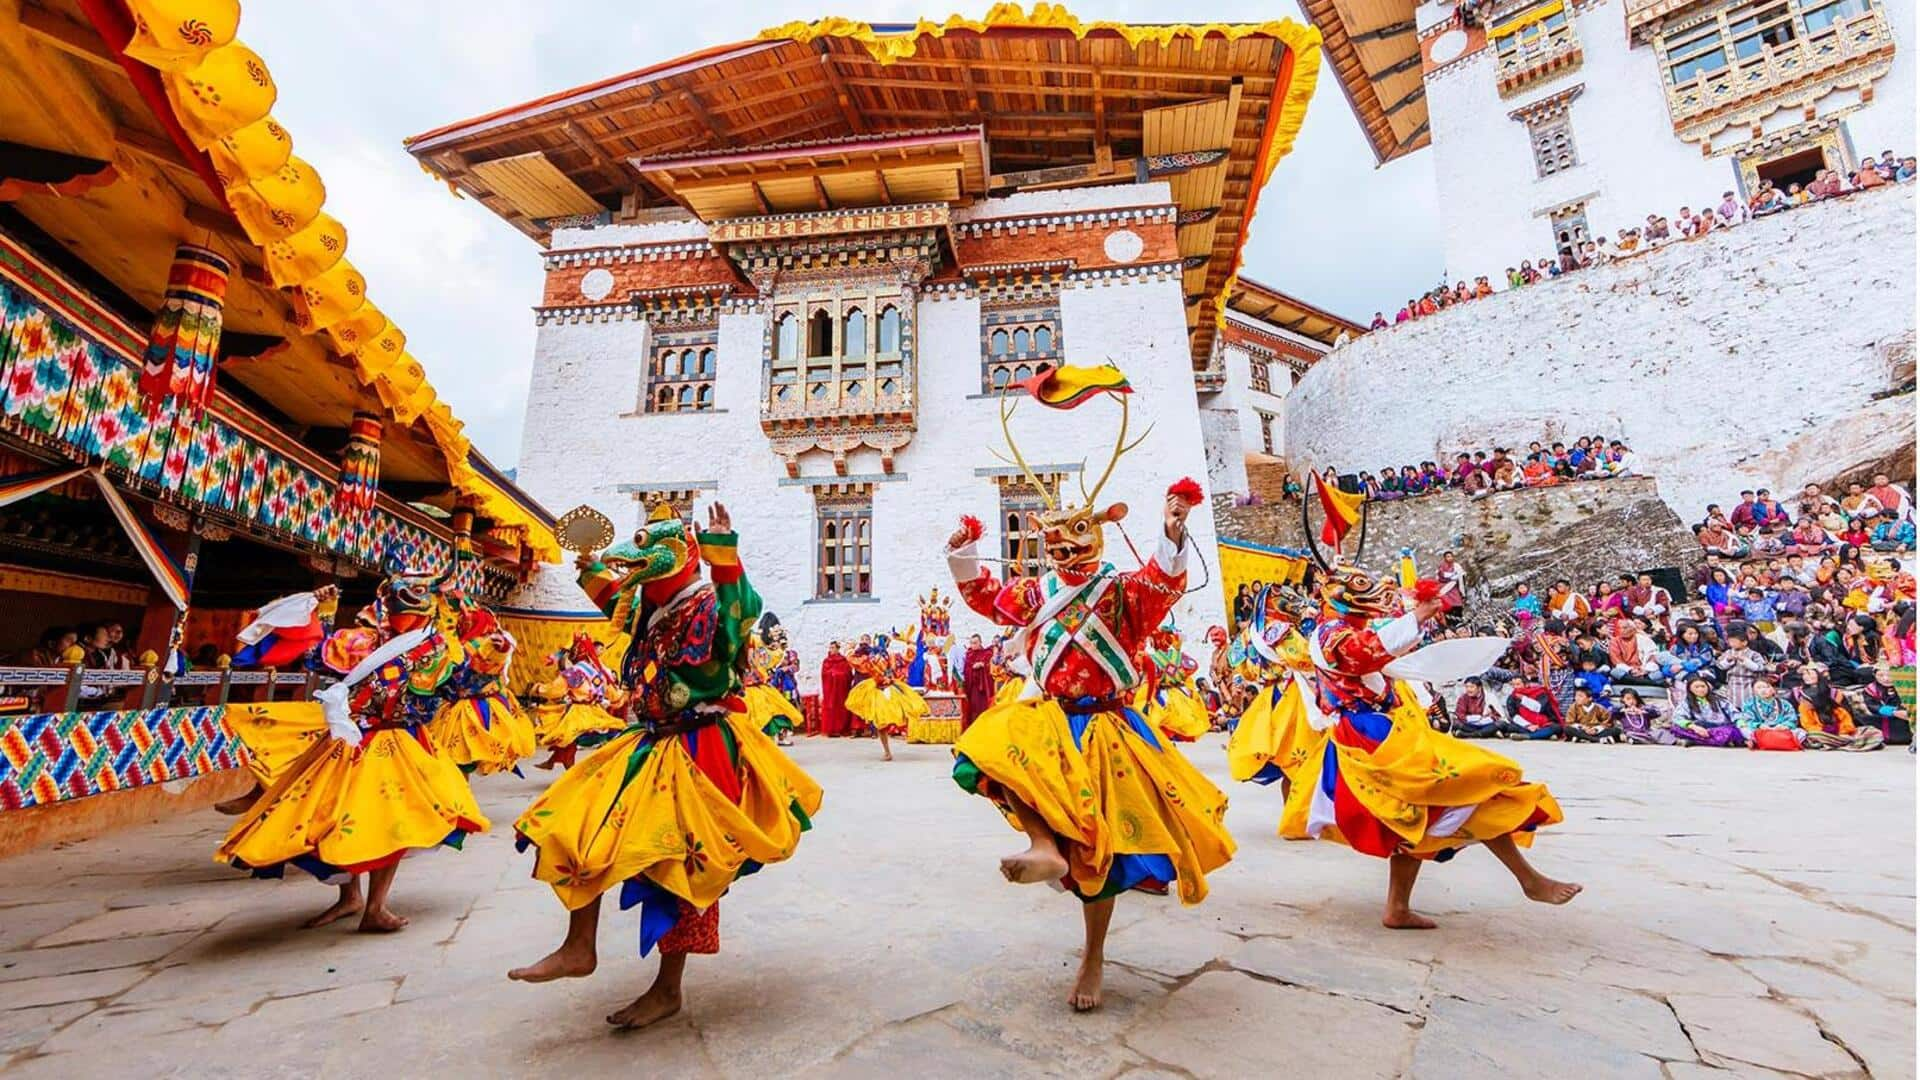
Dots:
{"x": 886, "y": 748}
{"x": 378, "y": 918}
{"x": 1042, "y": 860}
{"x": 348, "y": 904}
{"x": 560, "y": 757}
{"x": 1538, "y": 886}
{"x": 242, "y": 803}
{"x": 575, "y": 957}
{"x": 661, "y": 1000}
{"x": 1402, "y": 872}
{"x": 1086, "y": 988}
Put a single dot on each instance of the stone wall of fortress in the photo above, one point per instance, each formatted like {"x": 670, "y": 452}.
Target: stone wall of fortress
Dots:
{"x": 1772, "y": 354}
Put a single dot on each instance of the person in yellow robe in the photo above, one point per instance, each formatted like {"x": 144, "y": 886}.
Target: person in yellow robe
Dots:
{"x": 693, "y": 795}
{"x": 1167, "y": 698}
{"x": 374, "y": 788}
{"x": 1371, "y": 774}
{"x": 580, "y": 707}
{"x": 482, "y": 728}
{"x": 882, "y": 698}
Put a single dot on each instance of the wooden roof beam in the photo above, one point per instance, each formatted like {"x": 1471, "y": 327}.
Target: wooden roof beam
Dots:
{"x": 820, "y": 194}
{"x": 1263, "y": 74}
{"x": 607, "y": 166}
{"x": 841, "y": 95}
{"x": 1391, "y": 30}
{"x": 699, "y": 109}
{"x": 759, "y": 197}
{"x": 950, "y": 159}
{"x": 72, "y": 38}
{"x": 1411, "y": 96}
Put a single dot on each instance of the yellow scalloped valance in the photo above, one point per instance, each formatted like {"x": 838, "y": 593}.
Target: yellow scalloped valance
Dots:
{"x": 223, "y": 95}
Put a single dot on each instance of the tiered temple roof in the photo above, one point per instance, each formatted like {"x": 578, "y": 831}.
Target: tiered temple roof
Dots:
{"x": 839, "y": 114}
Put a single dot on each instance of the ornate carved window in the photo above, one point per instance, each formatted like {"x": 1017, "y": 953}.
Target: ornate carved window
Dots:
{"x": 1569, "y": 228}
{"x": 1017, "y": 341}
{"x": 1266, "y": 431}
{"x": 843, "y": 544}
{"x": 1020, "y": 543}
{"x": 1760, "y": 55}
{"x": 1552, "y": 145}
{"x": 1532, "y": 45}
{"x": 680, "y": 371}
{"x": 1262, "y": 373}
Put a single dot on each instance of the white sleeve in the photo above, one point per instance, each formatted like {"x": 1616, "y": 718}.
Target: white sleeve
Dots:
{"x": 1171, "y": 559}
{"x": 1401, "y": 635}
{"x": 964, "y": 562}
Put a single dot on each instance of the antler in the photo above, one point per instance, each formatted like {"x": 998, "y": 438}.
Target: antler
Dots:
{"x": 1007, "y": 405}
{"x": 1120, "y": 447}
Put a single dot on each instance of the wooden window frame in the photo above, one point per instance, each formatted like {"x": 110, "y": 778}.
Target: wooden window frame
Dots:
{"x": 842, "y": 547}
{"x": 665, "y": 391}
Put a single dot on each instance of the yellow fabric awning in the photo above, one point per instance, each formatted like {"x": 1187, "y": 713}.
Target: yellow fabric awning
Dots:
{"x": 222, "y": 93}
{"x": 1527, "y": 18}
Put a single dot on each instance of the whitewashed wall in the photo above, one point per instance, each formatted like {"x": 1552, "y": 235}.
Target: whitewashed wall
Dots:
{"x": 1746, "y": 358}
{"x": 583, "y": 441}
{"x": 1493, "y": 205}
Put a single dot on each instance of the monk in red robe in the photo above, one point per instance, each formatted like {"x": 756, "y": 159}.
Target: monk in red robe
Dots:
{"x": 976, "y": 672}
{"x": 836, "y": 678}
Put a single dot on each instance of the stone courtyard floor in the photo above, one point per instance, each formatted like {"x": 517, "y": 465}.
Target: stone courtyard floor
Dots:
{"x": 1744, "y": 914}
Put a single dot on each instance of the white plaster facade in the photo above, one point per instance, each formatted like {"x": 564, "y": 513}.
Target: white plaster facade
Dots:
{"x": 1631, "y": 163}
{"x": 586, "y": 441}
{"x": 1757, "y": 356}
{"x": 1233, "y": 414}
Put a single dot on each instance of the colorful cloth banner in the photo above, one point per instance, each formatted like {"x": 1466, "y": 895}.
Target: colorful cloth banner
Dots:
{"x": 1341, "y": 509}
{"x": 27, "y": 485}
{"x": 1246, "y": 563}
{"x": 185, "y": 342}
{"x": 50, "y": 757}
{"x": 359, "y": 466}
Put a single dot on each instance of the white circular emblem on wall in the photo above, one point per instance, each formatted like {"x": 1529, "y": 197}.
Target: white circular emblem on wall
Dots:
{"x": 1124, "y": 245}
{"x": 1448, "y": 46}
{"x": 597, "y": 283}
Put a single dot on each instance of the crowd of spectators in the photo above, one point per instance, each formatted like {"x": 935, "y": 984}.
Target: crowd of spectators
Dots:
{"x": 1482, "y": 472}
{"x": 1784, "y": 648}
{"x": 1876, "y": 516}
{"x": 1730, "y": 211}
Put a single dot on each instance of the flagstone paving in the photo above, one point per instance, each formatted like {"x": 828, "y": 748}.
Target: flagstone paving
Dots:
{"x": 1745, "y": 915}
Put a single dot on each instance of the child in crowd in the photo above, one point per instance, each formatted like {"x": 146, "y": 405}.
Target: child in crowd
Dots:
{"x": 1589, "y": 721}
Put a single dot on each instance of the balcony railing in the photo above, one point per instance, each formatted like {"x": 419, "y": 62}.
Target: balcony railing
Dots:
{"x": 19, "y": 686}
{"x": 1777, "y": 67}
{"x": 1546, "y": 56}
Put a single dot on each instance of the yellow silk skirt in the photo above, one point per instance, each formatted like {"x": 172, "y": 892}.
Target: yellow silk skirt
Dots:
{"x": 769, "y": 709}
{"x": 488, "y": 733}
{"x": 275, "y": 736}
{"x": 348, "y": 809}
{"x": 1116, "y": 791}
{"x": 1273, "y": 737}
{"x": 639, "y": 806}
{"x": 1433, "y": 792}
{"x": 1178, "y": 713}
{"x": 560, "y": 724}
{"x": 889, "y": 709}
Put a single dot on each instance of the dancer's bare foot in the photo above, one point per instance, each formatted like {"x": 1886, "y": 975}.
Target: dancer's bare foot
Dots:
{"x": 1406, "y": 920}
{"x": 1086, "y": 988}
{"x": 888, "y": 756}
{"x": 565, "y": 962}
{"x": 381, "y": 920}
{"x": 343, "y": 907}
{"x": 548, "y": 765}
{"x": 1034, "y": 866}
{"x": 1545, "y": 890}
{"x": 649, "y": 1008}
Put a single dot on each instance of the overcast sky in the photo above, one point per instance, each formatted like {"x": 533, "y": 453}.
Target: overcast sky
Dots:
{"x": 357, "y": 76}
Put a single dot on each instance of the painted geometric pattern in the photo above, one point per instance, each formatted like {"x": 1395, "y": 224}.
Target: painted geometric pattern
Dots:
{"x": 50, "y": 757}
{"x": 63, "y": 381}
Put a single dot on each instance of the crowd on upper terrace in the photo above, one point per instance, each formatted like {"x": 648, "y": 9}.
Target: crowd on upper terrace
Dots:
{"x": 1729, "y": 212}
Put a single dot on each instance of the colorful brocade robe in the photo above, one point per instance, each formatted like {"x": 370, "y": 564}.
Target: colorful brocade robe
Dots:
{"x": 687, "y": 650}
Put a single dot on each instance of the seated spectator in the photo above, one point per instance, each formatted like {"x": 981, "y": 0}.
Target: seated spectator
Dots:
{"x": 1893, "y": 534}
{"x": 1592, "y": 674}
{"x": 1868, "y": 175}
{"x": 1688, "y": 658}
{"x": 1379, "y": 321}
{"x": 1769, "y": 710}
{"x": 1717, "y": 539}
{"x": 1856, "y": 534}
{"x": 1528, "y": 275}
{"x": 1883, "y": 707}
{"x": 1629, "y": 661}
{"x": 1797, "y": 195}
{"x": 1731, "y": 210}
{"x": 1368, "y": 486}
{"x": 1809, "y": 538}
{"x": 1389, "y": 486}
{"x": 1538, "y": 472}
{"x": 1886, "y": 165}
{"x": 1406, "y": 313}
{"x": 1535, "y": 711}
{"x": 1524, "y": 602}
{"x": 1825, "y": 721}
{"x": 1656, "y": 230}
{"x": 1642, "y": 723}
{"x": 1503, "y": 472}
{"x": 1475, "y": 717}
{"x": 1890, "y": 496}
{"x": 1740, "y": 667}
{"x": 1589, "y": 721}
{"x": 1481, "y": 288}
{"x": 1703, "y": 719}
{"x": 1906, "y": 171}
{"x": 1858, "y": 503}
{"x": 1412, "y": 481}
